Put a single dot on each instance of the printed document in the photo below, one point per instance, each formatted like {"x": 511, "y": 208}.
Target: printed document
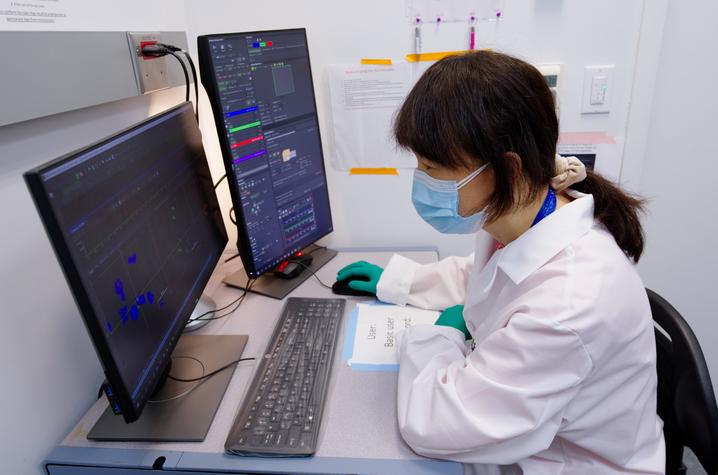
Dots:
{"x": 364, "y": 101}
{"x": 376, "y": 329}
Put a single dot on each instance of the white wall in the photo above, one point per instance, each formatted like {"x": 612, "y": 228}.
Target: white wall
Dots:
{"x": 50, "y": 369}
{"x": 376, "y": 210}
{"x": 680, "y": 170}
{"x": 648, "y": 58}
{"x": 50, "y": 372}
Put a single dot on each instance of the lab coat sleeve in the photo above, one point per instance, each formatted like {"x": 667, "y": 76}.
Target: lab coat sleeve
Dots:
{"x": 435, "y": 286}
{"x": 499, "y": 404}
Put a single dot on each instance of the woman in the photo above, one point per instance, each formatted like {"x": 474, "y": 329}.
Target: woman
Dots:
{"x": 561, "y": 375}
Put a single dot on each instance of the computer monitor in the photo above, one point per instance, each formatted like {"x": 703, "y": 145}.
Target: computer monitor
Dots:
{"x": 135, "y": 224}
{"x": 260, "y": 87}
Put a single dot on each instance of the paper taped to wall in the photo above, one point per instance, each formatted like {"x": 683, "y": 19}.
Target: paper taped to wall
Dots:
{"x": 364, "y": 100}
{"x": 597, "y": 150}
{"x": 376, "y": 329}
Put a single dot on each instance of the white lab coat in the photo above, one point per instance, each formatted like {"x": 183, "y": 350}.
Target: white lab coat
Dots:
{"x": 562, "y": 379}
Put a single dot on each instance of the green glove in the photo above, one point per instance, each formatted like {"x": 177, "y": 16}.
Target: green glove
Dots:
{"x": 368, "y": 274}
{"x": 454, "y": 317}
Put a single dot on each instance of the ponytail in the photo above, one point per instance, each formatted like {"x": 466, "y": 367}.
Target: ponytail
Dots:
{"x": 617, "y": 210}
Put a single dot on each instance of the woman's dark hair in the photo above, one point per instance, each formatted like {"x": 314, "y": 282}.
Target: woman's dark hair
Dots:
{"x": 477, "y": 107}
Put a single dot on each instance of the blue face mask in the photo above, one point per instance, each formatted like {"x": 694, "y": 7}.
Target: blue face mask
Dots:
{"x": 437, "y": 202}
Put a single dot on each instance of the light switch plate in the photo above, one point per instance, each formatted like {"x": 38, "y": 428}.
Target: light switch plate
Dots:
{"x": 151, "y": 73}
{"x": 597, "y": 89}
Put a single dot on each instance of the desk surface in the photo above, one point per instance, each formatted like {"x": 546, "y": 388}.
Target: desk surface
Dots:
{"x": 359, "y": 432}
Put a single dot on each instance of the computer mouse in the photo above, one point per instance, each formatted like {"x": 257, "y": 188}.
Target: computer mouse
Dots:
{"x": 294, "y": 266}
{"x": 341, "y": 287}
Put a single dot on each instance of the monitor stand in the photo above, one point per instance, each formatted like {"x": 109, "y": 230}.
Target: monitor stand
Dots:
{"x": 276, "y": 287}
{"x": 180, "y": 412}
{"x": 204, "y": 305}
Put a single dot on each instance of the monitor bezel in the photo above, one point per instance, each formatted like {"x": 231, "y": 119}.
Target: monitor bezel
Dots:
{"x": 53, "y": 229}
{"x": 209, "y": 83}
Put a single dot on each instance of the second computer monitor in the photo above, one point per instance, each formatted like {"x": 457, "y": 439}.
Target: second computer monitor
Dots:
{"x": 135, "y": 224}
{"x": 260, "y": 87}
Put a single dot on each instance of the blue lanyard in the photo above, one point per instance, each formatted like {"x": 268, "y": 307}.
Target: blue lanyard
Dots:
{"x": 548, "y": 206}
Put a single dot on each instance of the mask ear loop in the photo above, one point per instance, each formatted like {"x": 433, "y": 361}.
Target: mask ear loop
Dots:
{"x": 461, "y": 183}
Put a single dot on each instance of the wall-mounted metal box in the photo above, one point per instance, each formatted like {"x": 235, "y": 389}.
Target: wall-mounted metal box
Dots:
{"x": 48, "y": 72}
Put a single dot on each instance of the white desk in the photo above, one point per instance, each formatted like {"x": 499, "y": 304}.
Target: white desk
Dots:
{"x": 359, "y": 432}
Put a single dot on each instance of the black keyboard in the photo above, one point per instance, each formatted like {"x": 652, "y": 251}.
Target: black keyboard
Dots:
{"x": 282, "y": 410}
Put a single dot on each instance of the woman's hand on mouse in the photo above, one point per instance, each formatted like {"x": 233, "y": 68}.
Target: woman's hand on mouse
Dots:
{"x": 363, "y": 276}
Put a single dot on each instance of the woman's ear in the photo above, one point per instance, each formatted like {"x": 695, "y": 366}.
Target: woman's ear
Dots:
{"x": 513, "y": 160}
{"x": 518, "y": 185}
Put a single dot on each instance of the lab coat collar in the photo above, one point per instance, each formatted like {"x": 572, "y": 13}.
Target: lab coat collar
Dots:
{"x": 534, "y": 248}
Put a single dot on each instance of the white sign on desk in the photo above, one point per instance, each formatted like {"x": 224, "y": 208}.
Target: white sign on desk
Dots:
{"x": 376, "y": 329}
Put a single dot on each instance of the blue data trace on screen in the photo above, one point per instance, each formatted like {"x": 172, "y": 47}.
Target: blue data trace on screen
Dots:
{"x": 119, "y": 290}
{"x": 124, "y": 312}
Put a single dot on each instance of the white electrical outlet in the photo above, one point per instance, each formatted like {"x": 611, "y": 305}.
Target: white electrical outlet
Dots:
{"x": 151, "y": 73}
{"x": 597, "y": 89}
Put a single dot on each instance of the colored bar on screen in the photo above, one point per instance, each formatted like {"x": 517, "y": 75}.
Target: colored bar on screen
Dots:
{"x": 247, "y": 157}
{"x": 241, "y": 111}
{"x": 245, "y": 126}
{"x": 248, "y": 141}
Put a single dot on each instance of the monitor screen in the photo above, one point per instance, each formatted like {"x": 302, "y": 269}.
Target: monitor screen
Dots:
{"x": 260, "y": 88}
{"x": 136, "y": 225}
